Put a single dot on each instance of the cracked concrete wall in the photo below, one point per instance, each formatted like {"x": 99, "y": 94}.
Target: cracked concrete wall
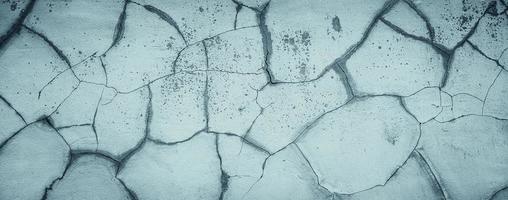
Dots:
{"x": 254, "y": 99}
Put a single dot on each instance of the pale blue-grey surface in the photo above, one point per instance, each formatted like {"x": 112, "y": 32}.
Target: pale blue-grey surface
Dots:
{"x": 253, "y": 99}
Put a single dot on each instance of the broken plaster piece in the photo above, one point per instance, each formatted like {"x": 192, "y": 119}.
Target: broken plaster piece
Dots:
{"x": 367, "y": 139}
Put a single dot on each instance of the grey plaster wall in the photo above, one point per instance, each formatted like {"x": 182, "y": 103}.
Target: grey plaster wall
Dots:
{"x": 253, "y": 99}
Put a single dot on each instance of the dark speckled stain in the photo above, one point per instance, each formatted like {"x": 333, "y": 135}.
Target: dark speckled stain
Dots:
{"x": 336, "y": 24}
{"x": 14, "y": 6}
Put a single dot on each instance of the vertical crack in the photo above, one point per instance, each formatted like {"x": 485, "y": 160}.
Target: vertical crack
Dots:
{"x": 237, "y": 8}
{"x": 60, "y": 54}
{"x": 206, "y": 96}
{"x": 94, "y": 127}
{"x": 429, "y": 170}
{"x": 224, "y": 177}
{"x": 104, "y": 71}
{"x": 148, "y": 120}
{"x": 266, "y": 38}
{"x": 344, "y": 78}
{"x": 67, "y": 166}
{"x": 488, "y": 90}
{"x": 120, "y": 27}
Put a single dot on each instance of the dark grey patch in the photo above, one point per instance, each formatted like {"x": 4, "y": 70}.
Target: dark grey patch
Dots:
{"x": 14, "y": 6}
{"x": 336, "y": 24}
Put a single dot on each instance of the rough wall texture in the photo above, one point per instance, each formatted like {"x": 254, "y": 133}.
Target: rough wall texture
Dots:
{"x": 253, "y": 99}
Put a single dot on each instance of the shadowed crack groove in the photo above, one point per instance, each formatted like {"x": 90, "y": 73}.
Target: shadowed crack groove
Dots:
{"x": 206, "y": 96}
{"x": 339, "y": 67}
{"x": 17, "y": 24}
{"x": 164, "y": 16}
{"x": 476, "y": 48}
{"x": 257, "y": 10}
{"x": 148, "y": 120}
{"x": 131, "y": 193}
{"x": 497, "y": 192}
{"x": 224, "y": 177}
{"x": 266, "y": 38}
{"x": 353, "y": 48}
{"x": 446, "y": 54}
{"x": 237, "y": 9}
{"x": 430, "y": 29}
{"x": 120, "y": 27}
{"x": 160, "y": 142}
{"x": 344, "y": 78}
{"x": 67, "y": 166}
{"x": 436, "y": 183}
{"x": 475, "y": 26}
{"x": 60, "y": 54}
{"x": 312, "y": 169}
{"x": 104, "y": 70}
{"x": 244, "y": 140}
{"x": 173, "y": 73}
{"x": 10, "y": 106}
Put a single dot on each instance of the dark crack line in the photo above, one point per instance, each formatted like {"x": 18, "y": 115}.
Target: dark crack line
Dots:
{"x": 58, "y": 51}
{"x": 266, "y": 39}
{"x": 166, "y": 17}
{"x": 12, "y": 107}
{"x": 346, "y": 81}
{"x": 14, "y": 135}
{"x": 238, "y": 8}
{"x": 475, "y": 26}
{"x": 224, "y": 177}
{"x": 119, "y": 28}
{"x": 488, "y": 90}
{"x": 104, "y": 70}
{"x": 131, "y": 193}
{"x": 206, "y": 96}
{"x": 261, "y": 111}
{"x": 148, "y": 121}
{"x": 497, "y": 192}
{"x": 16, "y": 26}
{"x": 318, "y": 182}
{"x": 430, "y": 29}
{"x": 468, "y": 115}
{"x": 315, "y": 121}
{"x": 446, "y": 55}
{"x": 67, "y": 166}
{"x": 72, "y": 126}
{"x": 94, "y": 121}
{"x": 437, "y": 47}
{"x": 160, "y": 142}
{"x": 244, "y": 140}
{"x": 257, "y": 10}
{"x": 476, "y": 48}
{"x": 341, "y": 61}
{"x": 396, "y": 170}
{"x": 65, "y": 99}
{"x": 430, "y": 172}
{"x": 353, "y": 48}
